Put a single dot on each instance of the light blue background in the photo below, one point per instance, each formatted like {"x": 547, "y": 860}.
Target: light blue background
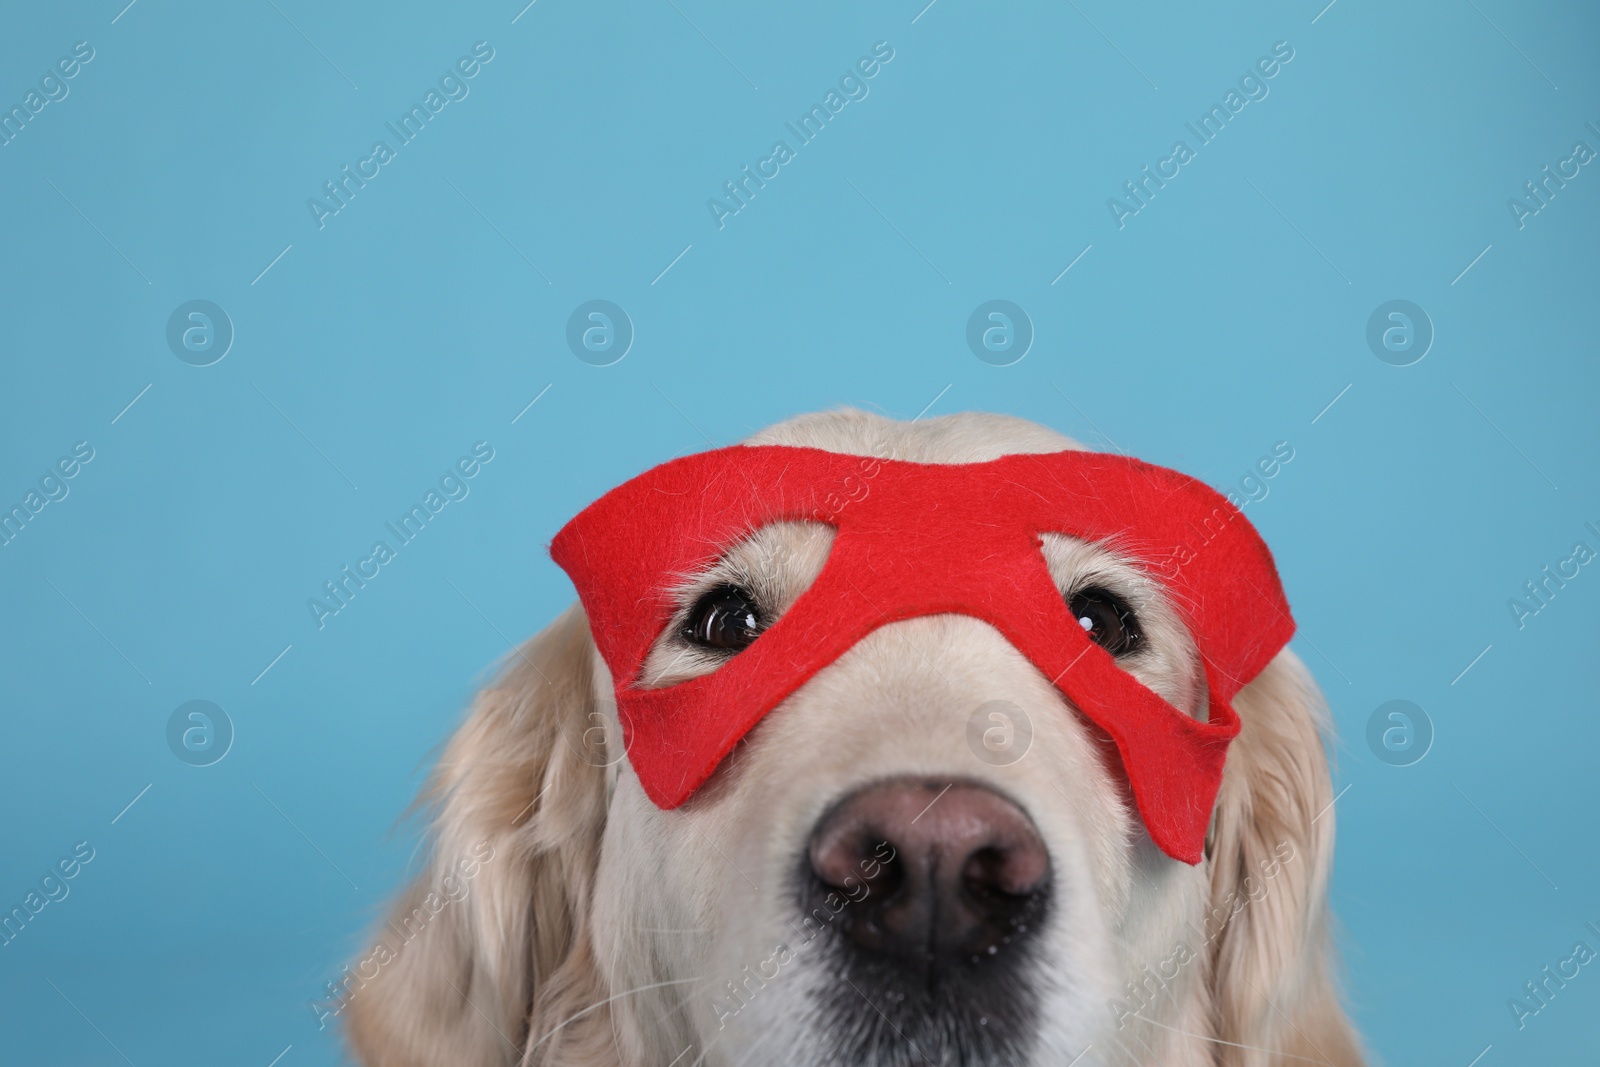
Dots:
{"x": 1223, "y": 318}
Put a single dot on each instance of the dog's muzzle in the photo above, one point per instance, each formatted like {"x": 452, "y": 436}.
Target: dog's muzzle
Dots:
{"x": 933, "y": 892}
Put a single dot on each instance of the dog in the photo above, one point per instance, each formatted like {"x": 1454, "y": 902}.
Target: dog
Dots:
{"x": 817, "y": 900}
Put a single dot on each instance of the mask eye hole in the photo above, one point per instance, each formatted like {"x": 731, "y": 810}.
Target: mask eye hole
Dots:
{"x": 1107, "y": 619}
{"x": 724, "y": 619}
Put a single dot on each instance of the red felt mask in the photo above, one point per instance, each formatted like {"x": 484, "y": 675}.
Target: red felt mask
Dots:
{"x": 922, "y": 539}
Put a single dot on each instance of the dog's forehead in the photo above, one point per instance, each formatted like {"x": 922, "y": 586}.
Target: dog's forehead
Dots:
{"x": 965, "y": 437}
{"x": 962, "y": 437}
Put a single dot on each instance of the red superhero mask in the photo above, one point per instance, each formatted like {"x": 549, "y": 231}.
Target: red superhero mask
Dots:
{"x": 924, "y": 539}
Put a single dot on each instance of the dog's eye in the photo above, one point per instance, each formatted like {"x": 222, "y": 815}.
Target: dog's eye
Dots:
{"x": 1107, "y": 619}
{"x": 724, "y": 619}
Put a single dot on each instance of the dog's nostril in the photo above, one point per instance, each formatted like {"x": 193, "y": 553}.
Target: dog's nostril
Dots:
{"x": 934, "y": 873}
{"x": 1008, "y": 871}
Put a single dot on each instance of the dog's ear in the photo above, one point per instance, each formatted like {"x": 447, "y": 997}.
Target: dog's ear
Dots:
{"x": 497, "y": 919}
{"x": 1271, "y": 960}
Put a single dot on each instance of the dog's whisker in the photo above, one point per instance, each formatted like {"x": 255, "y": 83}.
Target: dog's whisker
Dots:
{"x": 611, "y": 982}
{"x": 1131, "y": 1054}
{"x": 1233, "y": 1044}
{"x": 1286, "y": 1019}
{"x": 574, "y": 1017}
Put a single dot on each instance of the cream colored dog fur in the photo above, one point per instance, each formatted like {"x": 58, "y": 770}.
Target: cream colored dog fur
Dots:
{"x": 605, "y": 931}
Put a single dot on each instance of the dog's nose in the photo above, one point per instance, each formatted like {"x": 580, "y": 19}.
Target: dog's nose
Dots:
{"x": 933, "y": 873}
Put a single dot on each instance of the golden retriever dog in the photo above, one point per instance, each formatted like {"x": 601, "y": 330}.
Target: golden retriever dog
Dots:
{"x": 815, "y": 903}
